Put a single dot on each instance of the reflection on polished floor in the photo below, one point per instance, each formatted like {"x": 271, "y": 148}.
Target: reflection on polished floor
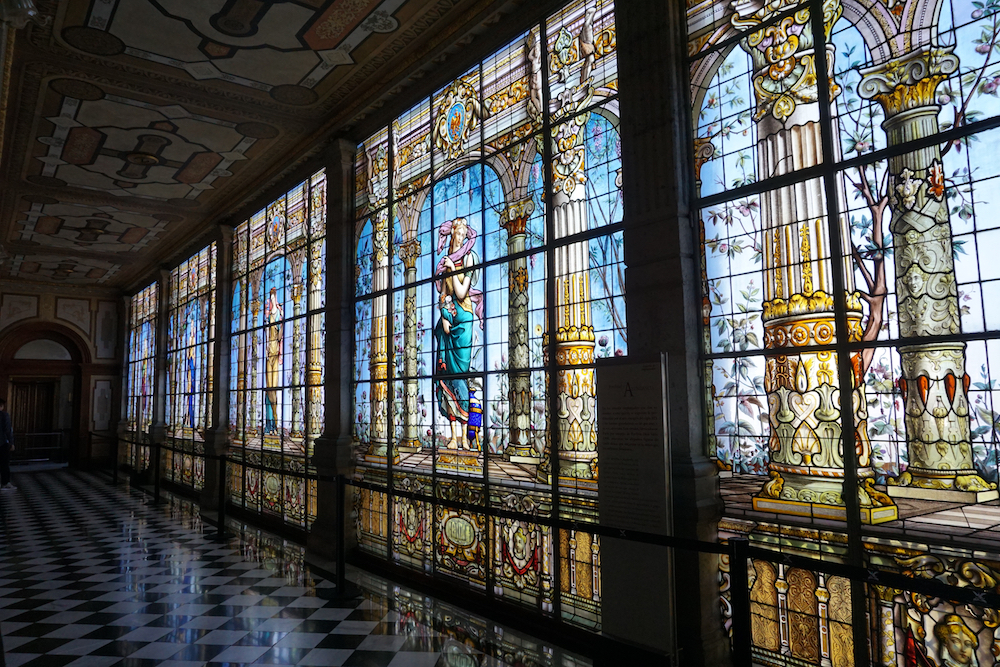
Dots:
{"x": 94, "y": 576}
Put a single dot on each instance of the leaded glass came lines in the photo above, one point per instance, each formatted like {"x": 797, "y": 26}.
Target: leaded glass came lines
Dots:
{"x": 498, "y": 194}
{"x": 190, "y": 376}
{"x": 277, "y": 353}
{"x": 845, "y": 168}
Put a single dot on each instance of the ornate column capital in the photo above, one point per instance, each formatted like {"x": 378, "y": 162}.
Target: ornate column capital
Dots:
{"x": 784, "y": 59}
{"x": 408, "y": 253}
{"x": 514, "y": 218}
{"x": 910, "y": 81}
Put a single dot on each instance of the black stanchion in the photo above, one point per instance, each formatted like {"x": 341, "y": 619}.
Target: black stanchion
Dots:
{"x": 344, "y": 590}
{"x": 739, "y": 596}
{"x": 221, "y": 532}
{"x": 156, "y": 474}
{"x": 114, "y": 462}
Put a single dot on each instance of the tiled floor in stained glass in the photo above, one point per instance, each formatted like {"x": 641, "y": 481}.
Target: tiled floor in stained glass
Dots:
{"x": 95, "y": 576}
{"x": 922, "y": 519}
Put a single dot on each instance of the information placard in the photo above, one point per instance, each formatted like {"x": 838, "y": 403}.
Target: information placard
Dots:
{"x": 634, "y": 491}
{"x": 634, "y": 465}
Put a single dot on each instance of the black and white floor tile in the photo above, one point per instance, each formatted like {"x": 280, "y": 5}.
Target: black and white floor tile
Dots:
{"x": 97, "y": 576}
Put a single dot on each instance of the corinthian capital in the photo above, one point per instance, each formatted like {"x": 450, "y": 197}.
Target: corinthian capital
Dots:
{"x": 910, "y": 81}
{"x": 408, "y": 252}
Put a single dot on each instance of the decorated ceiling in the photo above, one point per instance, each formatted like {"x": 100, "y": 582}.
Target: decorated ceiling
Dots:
{"x": 133, "y": 125}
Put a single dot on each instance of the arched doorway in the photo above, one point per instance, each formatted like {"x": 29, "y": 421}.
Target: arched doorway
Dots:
{"x": 42, "y": 368}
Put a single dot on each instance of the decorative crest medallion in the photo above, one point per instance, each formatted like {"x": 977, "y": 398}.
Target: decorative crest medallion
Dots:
{"x": 458, "y": 114}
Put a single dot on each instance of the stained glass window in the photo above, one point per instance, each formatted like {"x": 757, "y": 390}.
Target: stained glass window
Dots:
{"x": 276, "y": 357}
{"x": 139, "y": 378}
{"x": 489, "y": 277}
{"x": 845, "y": 167}
{"x": 190, "y": 355}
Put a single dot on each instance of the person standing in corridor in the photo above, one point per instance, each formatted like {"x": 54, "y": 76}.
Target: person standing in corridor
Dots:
{"x": 6, "y": 447}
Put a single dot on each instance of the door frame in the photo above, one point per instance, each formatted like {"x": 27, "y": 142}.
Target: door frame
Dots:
{"x": 80, "y": 367}
{"x": 53, "y": 382}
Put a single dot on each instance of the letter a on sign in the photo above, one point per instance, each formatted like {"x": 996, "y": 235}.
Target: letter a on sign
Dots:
{"x": 628, "y": 389}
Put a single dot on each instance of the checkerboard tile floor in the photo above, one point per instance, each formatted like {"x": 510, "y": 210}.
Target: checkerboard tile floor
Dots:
{"x": 94, "y": 576}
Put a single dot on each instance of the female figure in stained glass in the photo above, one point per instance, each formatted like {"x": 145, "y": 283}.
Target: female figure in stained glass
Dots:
{"x": 143, "y": 390}
{"x": 460, "y": 305}
{"x": 191, "y": 331}
{"x": 274, "y": 313}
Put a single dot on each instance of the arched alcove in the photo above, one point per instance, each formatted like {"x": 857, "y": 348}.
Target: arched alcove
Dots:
{"x": 45, "y": 373}
{"x": 43, "y": 349}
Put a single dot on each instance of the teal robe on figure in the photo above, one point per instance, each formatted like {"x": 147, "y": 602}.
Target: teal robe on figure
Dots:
{"x": 454, "y": 356}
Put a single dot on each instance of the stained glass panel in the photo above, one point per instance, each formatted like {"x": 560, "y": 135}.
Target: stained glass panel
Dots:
{"x": 512, "y": 87}
{"x": 190, "y": 353}
{"x": 139, "y": 376}
{"x": 279, "y": 333}
{"x": 874, "y": 351}
{"x": 582, "y": 55}
{"x": 457, "y": 257}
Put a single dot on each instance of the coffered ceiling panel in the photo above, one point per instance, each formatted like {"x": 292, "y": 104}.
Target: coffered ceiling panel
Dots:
{"x": 134, "y": 126}
{"x": 99, "y": 138}
{"x": 284, "y": 49}
{"x": 68, "y": 225}
{"x": 58, "y": 269}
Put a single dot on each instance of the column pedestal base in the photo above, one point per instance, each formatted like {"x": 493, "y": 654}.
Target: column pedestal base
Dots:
{"x": 953, "y": 486}
{"x": 408, "y": 446}
{"x": 945, "y": 495}
{"x": 459, "y": 461}
{"x": 380, "y": 459}
{"x": 869, "y": 515}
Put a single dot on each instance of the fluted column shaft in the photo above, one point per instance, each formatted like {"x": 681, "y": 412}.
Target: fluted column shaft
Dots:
{"x": 379, "y": 360}
{"x": 574, "y": 335}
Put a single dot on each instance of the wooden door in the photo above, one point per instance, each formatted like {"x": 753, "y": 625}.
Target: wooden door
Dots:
{"x": 32, "y": 410}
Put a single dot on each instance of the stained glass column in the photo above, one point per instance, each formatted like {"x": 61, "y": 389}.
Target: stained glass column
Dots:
{"x": 806, "y": 465}
{"x": 256, "y": 426}
{"x": 298, "y": 289}
{"x": 520, "y": 448}
{"x": 704, "y": 151}
{"x": 408, "y": 252}
{"x": 934, "y": 382}
{"x": 886, "y": 636}
{"x": 577, "y": 416}
{"x": 379, "y": 360}
{"x": 242, "y": 358}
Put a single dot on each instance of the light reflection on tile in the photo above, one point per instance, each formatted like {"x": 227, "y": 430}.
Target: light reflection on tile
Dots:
{"x": 147, "y": 584}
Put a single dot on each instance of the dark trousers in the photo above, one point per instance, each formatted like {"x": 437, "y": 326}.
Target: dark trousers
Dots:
{"x": 4, "y": 465}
